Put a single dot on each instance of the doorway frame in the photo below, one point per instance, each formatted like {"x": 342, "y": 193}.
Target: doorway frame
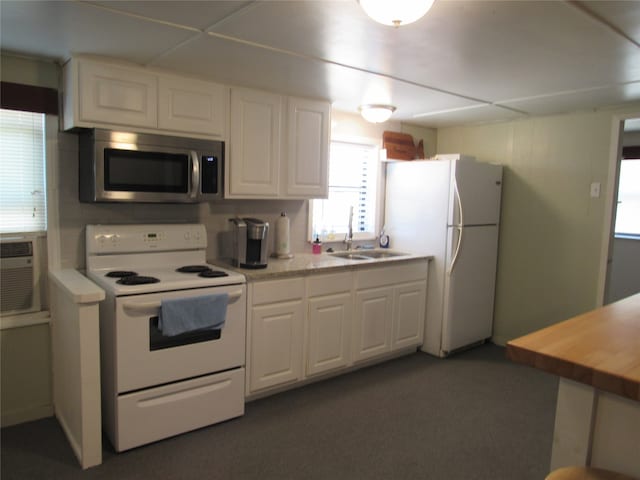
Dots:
{"x": 615, "y": 152}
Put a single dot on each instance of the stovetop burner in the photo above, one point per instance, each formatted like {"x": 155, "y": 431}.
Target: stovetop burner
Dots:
{"x": 193, "y": 269}
{"x": 213, "y": 273}
{"x": 202, "y": 271}
{"x": 121, "y": 274}
{"x": 136, "y": 280}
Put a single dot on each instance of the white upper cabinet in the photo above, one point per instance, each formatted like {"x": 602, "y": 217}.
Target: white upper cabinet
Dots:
{"x": 253, "y": 168}
{"x": 110, "y": 95}
{"x": 191, "y": 105}
{"x": 308, "y": 153}
{"x": 279, "y": 146}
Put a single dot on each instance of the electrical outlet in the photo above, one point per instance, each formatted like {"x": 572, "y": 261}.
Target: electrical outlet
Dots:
{"x": 595, "y": 190}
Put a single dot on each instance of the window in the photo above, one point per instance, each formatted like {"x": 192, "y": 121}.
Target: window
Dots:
{"x": 353, "y": 182}
{"x": 22, "y": 172}
{"x": 628, "y": 209}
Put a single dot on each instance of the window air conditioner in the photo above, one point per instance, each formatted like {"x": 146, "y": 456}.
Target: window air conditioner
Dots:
{"x": 19, "y": 277}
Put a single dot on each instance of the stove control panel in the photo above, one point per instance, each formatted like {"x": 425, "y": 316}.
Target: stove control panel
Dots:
{"x": 103, "y": 239}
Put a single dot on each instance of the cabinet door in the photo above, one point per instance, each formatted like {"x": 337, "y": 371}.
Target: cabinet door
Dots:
{"x": 276, "y": 344}
{"x": 372, "y": 327}
{"x": 408, "y": 314}
{"x": 329, "y": 333}
{"x": 308, "y": 124}
{"x": 189, "y": 105}
{"x": 254, "y": 151}
{"x": 117, "y": 95}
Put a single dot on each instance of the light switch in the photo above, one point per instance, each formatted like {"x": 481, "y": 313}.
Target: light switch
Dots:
{"x": 595, "y": 190}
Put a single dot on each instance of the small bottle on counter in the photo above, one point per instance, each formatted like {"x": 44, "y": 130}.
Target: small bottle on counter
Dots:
{"x": 316, "y": 246}
{"x": 383, "y": 239}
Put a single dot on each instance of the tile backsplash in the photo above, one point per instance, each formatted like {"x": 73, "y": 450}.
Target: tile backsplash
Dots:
{"x": 73, "y": 215}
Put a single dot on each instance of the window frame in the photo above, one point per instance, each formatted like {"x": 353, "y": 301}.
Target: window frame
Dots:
{"x": 339, "y": 237}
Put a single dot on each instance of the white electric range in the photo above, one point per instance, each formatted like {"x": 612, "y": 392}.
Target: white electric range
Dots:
{"x": 153, "y": 385}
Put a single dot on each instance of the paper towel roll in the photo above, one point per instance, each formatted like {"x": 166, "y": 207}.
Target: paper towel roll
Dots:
{"x": 283, "y": 246}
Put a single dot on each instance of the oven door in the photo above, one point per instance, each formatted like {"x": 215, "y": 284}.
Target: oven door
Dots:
{"x": 143, "y": 358}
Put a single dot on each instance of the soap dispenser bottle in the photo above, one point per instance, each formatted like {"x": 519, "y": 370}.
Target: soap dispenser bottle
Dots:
{"x": 316, "y": 246}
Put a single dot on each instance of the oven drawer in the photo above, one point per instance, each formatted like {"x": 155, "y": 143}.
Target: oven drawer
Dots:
{"x": 156, "y": 413}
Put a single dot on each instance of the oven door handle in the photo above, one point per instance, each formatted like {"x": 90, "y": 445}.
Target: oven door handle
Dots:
{"x": 146, "y": 306}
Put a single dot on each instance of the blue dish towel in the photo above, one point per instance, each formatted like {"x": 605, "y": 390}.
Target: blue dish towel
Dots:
{"x": 182, "y": 315}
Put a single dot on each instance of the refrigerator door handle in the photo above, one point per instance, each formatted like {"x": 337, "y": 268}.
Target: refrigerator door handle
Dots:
{"x": 457, "y": 250}
{"x": 457, "y": 194}
{"x": 458, "y": 226}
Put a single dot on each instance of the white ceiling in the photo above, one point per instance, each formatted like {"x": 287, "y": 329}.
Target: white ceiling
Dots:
{"x": 464, "y": 62}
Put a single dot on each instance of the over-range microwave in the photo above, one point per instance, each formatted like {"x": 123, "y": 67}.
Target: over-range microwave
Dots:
{"x": 118, "y": 166}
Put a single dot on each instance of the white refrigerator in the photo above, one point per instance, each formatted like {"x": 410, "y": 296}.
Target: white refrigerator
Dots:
{"x": 449, "y": 207}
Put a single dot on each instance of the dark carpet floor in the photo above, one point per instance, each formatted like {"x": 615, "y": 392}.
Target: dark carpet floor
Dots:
{"x": 472, "y": 416}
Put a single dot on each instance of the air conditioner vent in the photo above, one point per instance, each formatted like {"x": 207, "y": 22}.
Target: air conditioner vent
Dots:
{"x": 19, "y": 285}
{"x": 16, "y": 249}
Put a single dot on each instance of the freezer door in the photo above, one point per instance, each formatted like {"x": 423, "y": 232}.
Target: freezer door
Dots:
{"x": 469, "y": 286}
{"x": 416, "y": 205}
{"x": 477, "y": 191}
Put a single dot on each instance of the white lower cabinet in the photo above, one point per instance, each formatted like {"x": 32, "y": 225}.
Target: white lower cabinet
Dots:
{"x": 390, "y": 309}
{"x": 372, "y": 323}
{"x": 307, "y": 326}
{"x": 409, "y": 303}
{"x": 276, "y": 333}
{"x": 329, "y": 323}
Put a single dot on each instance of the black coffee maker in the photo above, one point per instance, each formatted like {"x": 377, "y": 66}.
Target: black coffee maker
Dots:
{"x": 249, "y": 242}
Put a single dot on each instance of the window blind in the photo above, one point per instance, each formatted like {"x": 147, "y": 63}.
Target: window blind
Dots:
{"x": 22, "y": 172}
{"x": 353, "y": 175}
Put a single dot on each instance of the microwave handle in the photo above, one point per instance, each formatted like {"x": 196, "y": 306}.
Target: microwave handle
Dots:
{"x": 195, "y": 174}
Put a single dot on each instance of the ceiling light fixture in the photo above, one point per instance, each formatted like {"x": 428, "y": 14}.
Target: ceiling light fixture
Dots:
{"x": 376, "y": 113}
{"x": 397, "y": 12}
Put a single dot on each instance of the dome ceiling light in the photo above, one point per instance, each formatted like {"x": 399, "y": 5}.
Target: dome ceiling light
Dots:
{"x": 376, "y": 113}
{"x": 397, "y": 12}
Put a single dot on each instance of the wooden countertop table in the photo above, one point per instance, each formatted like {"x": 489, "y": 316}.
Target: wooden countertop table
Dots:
{"x": 600, "y": 348}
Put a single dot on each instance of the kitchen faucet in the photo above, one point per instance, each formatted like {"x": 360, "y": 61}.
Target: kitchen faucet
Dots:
{"x": 348, "y": 238}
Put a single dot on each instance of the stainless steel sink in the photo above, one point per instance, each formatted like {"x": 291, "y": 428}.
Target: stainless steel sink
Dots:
{"x": 367, "y": 254}
{"x": 381, "y": 254}
{"x": 350, "y": 256}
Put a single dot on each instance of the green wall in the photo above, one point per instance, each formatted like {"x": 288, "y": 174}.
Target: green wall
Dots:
{"x": 29, "y": 71}
{"x": 551, "y": 231}
{"x": 25, "y": 351}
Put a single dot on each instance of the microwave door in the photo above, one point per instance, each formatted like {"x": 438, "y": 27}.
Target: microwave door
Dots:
{"x": 148, "y": 176}
{"x": 147, "y": 168}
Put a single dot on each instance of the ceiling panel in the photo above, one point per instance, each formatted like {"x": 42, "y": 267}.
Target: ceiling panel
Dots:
{"x": 465, "y": 47}
{"x": 578, "y": 100}
{"x": 60, "y": 29}
{"x": 470, "y": 115}
{"x": 195, "y": 14}
{"x": 535, "y": 57}
{"x": 624, "y": 15}
{"x": 228, "y": 61}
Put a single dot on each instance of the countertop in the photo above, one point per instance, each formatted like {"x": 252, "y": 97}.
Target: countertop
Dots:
{"x": 308, "y": 264}
{"x": 600, "y": 348}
